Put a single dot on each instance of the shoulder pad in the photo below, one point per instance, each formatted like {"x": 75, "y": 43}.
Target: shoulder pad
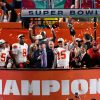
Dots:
{"x": 25, "y": 44}
{"x": 15, "y": 45}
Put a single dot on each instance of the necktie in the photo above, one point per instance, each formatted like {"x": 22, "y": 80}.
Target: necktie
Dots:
{"x": 43, "y": 58}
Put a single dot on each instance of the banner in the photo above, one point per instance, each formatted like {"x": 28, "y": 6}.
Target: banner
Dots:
{"x": 60, "y": 12}
{"x": 49, "y": 84}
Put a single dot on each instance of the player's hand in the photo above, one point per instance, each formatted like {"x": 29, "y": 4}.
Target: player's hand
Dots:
{"x": 9, "y": 12}
{"x": 31, "y": 25}
{"x": 9, "y": 65}
{"x": 50, "y": 26}
{"x": 27, "y": 62}
{"x": 21, "y": 65}
{"x": 39, "y": 57}
{"x": 52, "y": 29}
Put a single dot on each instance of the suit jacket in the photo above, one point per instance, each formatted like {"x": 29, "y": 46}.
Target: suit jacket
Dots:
{"x": 50, "y": 57}
{"x": 86, "y": 60}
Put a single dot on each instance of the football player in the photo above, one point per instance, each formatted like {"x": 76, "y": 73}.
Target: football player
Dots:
{"x": 32, "y": 34}
{"x": 5, "y": 58}
{"x": 62, "y": 55}
{"x": 20, "y": 52}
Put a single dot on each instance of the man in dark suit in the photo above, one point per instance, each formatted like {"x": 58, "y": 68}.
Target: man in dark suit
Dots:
{"x": 50, "y": 54}
{"x": 85, "y": 60}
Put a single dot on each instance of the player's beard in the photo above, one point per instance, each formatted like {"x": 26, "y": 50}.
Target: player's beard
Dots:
{"x": 22, "y": 42}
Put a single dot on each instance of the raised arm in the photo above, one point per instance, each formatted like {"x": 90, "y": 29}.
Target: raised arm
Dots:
{"x": 1, "y": 16}
{"x": 55, "y": 62}
{"x": 53, "y": 34}
{"x": 9, "y": 15}
{"x": 32, "y": 32}
{"x": 76, "y": 3}
{"x": 72, "y": 33}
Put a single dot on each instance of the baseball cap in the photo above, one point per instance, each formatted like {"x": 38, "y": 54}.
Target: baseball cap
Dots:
{"x": 60, "y": 40}
{"x": 2, "y": 41}
{"x": 38, "y": 37}
{"x": 78, "y": 40}
{"x": 21, "y": 35}
{"x": 43, "y": 32}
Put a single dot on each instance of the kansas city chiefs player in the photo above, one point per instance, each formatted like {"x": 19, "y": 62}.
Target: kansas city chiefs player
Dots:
{"x": 20, "y": 52}
{"x": 5, "y": 59}
{"x": 62, "y": 55}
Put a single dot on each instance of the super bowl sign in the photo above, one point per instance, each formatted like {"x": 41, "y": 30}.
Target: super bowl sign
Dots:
{"x": 60, "y": 12}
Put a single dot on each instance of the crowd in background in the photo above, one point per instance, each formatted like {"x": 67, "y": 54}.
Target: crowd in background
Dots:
{"x": 43, "y": 53}
{"x": 9, "y": 13}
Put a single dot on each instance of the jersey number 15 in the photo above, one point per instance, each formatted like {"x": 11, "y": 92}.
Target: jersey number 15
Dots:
{"x": 61, "y": 55}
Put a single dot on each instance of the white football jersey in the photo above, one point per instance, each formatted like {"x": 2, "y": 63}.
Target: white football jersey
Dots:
{"x": 20, "y": 52}
{"x": 63, "y": 57}
{"x": 4, "y": 54}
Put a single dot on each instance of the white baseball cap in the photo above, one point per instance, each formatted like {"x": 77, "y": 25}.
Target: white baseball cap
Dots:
{"x": 21, "y": 35}
{"x": 2, "y": 41}
{"x": 60, "y": 39}
{"x": 78, "y": 39}
{"x": 43, "y": 32}
{"x": 38, "y": 37}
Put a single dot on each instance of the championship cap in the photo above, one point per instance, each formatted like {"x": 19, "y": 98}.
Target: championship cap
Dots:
{"x": 38, "y": 37}
{"x": 43, "y": 32}
{"x": 60, "y": 40}
{"x": 78, "y": 40}
{"x": 21, "y": 35}
{"x": 2, "y": 41}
